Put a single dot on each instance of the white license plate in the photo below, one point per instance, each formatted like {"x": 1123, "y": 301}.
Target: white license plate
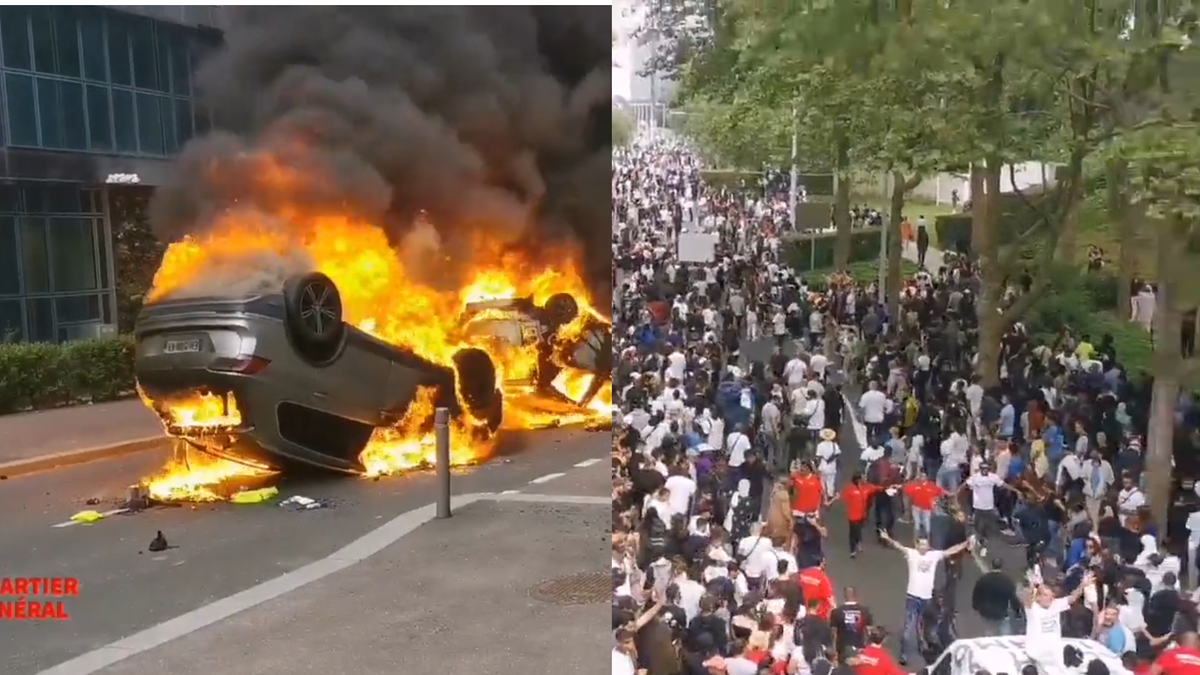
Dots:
{"x": 182, "y": 347}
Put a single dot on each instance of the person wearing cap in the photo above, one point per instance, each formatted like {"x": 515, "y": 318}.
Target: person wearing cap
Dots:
{"x": 827, "y": 454}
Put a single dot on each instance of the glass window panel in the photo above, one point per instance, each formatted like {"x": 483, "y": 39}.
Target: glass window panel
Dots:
{"x": 50, "y": 113}
{"x": 124, "y": 121}
{"x": 70, "y": 97}
{"x": 99, "y": 118}
{"x": 41, "y": 319}
{"x": 64, "y": 199}
{"x": 12, "y": 321}
{"x": 36, "y": 200}
{"x": 73, "y": 252}
{"x": 10, "y": 199}
{"x": 162, "y": 43}
{"x": 22, "y": 110}
{"x": 106, "y": 308}
{"x": 42, "y": 23}
{"x": 170, "y": 140}
{"x": 181, "y": 69}
{"x": 10, "y": 271}
{"x": 66, "y": 41}
{"x": 35, "y": 255}
{"x": 77, "y": 309}
{"x": 145, "y": 71}
{"x": 103, "y": 242}
{"x": 118, "y": 50}
{"x": 91, "y": 37}
{"x": 149, "y": 123}
{"x": 14, "y": 30}
{"x": 183, "y": 121}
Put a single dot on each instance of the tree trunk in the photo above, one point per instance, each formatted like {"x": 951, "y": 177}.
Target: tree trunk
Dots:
{"x": 895, "y": 246}
{"x": 1166, "y": 366}
{"x": 1121, "y": 212}
{"x": 841, "y": 207}
{"x": 985, "y": 185}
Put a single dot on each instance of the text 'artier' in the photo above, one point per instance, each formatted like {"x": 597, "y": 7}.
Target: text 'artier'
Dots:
{"x": 36, "y": 598}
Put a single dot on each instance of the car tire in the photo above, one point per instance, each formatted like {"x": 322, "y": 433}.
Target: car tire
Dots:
{"x": 495, "y": 414}
{"x": 476, "y": 382}
{"x": 313, "y": 311}
{"x": 561, "y": 309}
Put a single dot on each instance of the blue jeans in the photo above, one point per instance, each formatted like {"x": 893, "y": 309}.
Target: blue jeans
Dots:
{"x": 1000, "y": 628}
{"x": 913, "y": 608}
{"x": 921, "y": 522}
{"x": 949, "y": 477}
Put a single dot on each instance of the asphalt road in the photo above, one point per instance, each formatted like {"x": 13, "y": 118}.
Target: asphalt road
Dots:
{"x": 218, "y": 549}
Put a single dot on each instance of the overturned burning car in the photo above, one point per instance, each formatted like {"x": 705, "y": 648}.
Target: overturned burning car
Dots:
{"x": 294, "y": 383}
{"x": 297, "y": 384}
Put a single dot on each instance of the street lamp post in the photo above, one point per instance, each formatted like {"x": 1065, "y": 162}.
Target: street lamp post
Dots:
{"x": 794, "y": 192}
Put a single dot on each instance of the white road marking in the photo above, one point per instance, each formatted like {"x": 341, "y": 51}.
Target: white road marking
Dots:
{"x": 510, "y": 492}
{"x": 546, "y": 479}
{"x": 114, "y": 512}
{"x": 586, "y": 463}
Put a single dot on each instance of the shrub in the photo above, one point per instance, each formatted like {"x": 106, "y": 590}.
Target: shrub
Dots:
{"x": 816, "y": 252}
{"x": 953, "y": 231}
{"x": 38, "y": 375}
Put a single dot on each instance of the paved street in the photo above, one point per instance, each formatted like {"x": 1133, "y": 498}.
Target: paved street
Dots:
{"x": 223, "y": 549}
{"x": 879, "y": 573}
{"x": 62, "y": 430}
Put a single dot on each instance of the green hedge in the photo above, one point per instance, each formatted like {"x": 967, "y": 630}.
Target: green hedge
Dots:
{"x": 816, "y": 253}
{"x": 37, "y": 375}
{"x": 1016, "y": 216}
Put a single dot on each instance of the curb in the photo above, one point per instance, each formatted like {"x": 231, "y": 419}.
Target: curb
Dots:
{"x": 57, "y": 460}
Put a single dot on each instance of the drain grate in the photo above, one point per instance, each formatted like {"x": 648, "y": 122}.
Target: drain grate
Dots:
{"x": 588, "y": 588}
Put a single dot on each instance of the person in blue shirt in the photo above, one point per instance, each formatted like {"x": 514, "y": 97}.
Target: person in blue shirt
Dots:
{"x": 1008, "y": 419}
{"x": 1055, "y": 445}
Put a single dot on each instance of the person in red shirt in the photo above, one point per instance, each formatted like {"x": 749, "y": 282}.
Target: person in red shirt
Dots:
{"x": 857, "y": 498}
{"x": 923, "y": 494}
{"x": 807, "y": 495}
{"x": 817, "y": 588}
{"x": 874, "y": 659}
{"x": 1182, "y": 660}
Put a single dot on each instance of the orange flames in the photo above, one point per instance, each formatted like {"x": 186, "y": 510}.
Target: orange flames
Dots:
{"x": 405, "y": 296}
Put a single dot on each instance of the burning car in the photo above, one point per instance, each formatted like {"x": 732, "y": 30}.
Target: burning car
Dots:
{"x": 560, "y": 332}
{"x": 292, "y": 381}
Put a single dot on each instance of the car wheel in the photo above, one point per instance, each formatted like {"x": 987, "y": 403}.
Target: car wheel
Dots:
{"x": 313, "y": 308}
{"x": 495, "y": 414}
{"x": 476, "y": 381}
{"x": 561, "y": 309}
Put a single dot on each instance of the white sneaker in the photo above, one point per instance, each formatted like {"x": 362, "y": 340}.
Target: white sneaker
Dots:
{"x": 983, "y": 552}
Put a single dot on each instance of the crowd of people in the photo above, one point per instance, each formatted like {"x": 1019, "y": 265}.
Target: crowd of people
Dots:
{"x": 735, "y": 380}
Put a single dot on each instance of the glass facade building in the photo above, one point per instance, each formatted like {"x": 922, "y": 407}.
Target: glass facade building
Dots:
{"x": 90, "y": 96}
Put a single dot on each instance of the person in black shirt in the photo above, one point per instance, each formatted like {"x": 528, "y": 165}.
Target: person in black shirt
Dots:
{"x": 995, "y": 599}
{"x": 937, "y": 627}
{"x": 1162, "y": 607}
{"x": 849, "y": 622}
{"x": 673, "y": 615}
{"x": 816, "y": 635}
{"x": 707, "y": 625}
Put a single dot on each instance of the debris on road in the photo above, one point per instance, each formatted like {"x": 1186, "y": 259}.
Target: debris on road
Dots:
{"x": 93, "y": 501}
{"x": 138, "y": 499}
{"x": 158, "y": 543}
{"x": 300, "y": 503}
{"x": 87, "y": 517}
{"x": 255, "y": 496}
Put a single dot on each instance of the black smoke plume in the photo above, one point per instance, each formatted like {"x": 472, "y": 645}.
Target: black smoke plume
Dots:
{"x": 485, "y": 118}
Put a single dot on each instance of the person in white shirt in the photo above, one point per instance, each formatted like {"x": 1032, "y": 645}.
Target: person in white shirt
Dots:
{"x": 681, "y": 488}
{"x": 983, "y": 487}
{"x": 922, "y": 577}
{"x": 795, "y": 373}
{"x": 1097, "y": 478}
{"x": 758, "y": 555}
{"x": 676, "y": 366}
{"x": 622, "y": 653}
{"x": 954, "y": 451}
{"x": 738, "y": 443}
{"x": 1129, "y": 500}
{"x": 1043, "y": 624}
{"x": 874, "y": 410}
{"x": 814, "y": 412}
{"x": 819, "y": 364}
{"x": 828, "y": 453}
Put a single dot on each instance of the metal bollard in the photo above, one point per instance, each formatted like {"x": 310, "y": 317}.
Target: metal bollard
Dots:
{"x": 441, "y": 427}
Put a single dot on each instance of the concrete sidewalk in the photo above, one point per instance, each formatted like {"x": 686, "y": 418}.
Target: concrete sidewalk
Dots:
{"x": 43, "y": 439}
{"x": 502, "y": 587}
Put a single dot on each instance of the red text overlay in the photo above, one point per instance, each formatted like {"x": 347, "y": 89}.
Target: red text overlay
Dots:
{"x": 36, "y": 598}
